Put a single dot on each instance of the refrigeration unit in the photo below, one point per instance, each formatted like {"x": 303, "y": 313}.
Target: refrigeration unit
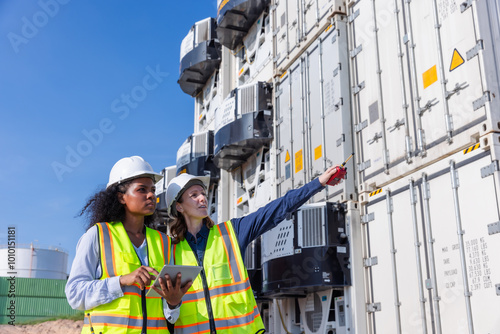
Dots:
{"x": 200, "y": 56}
{"x": 243, "y": 125}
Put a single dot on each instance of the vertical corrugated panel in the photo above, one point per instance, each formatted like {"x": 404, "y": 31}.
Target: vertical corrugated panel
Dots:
{"x": 35, "y": 298}
{"x": 312, "y": 220}
{"x": 34, "y": 287}
{"x": 247, "y": 99}
{"x": 200, "y": 145}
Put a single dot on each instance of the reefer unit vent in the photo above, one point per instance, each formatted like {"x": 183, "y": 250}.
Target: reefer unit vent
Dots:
{"x": 243, "y": 125}
{"x": 195, "y": 156}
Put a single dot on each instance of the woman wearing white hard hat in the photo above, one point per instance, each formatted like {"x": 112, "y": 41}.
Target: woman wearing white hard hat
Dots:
{"x": 119, "y": 256}
{"x": 220, "y": 299}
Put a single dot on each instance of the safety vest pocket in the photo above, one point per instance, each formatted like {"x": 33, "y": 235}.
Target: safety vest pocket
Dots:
{"x": 221, "y": 274}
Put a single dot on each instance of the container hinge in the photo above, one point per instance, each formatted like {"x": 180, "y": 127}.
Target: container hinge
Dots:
{"x": 494, "y": 228}
{"x": 490, "y": 169}
{"x": 365, "y": 219}
{"x": 371, "y": 261}
{"x": 275, "y": 59}
{"x": 357, "y": 50}
{"x": 338, "y": 104}
{"x": 427, "y": 106}
{"x": 481, "y": 101}
{"x": 341, "y": 140}
{"x": 375, "y": 138}
{"x": 475, "y": 50}
{"x": 457, "y": 89}
{"x": 336, "y": 71}
{"x": 279, "y": 121}
{"x": 364, "y": 165}
{"x": 358, "y": 88}
{"x": 397, "y": 125}
{"x": 279, "y": 92}
{"x": 373, "y": 307}
{"x": 334, "y": 39}
{"x": 464, "y": 5}
{"x": 353, "y": 16}
{"x": 360, "y": 126}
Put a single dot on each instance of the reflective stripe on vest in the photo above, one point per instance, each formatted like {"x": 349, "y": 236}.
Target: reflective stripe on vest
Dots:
{"x": 118, "y": 257}
{"x": 233, "y": 303}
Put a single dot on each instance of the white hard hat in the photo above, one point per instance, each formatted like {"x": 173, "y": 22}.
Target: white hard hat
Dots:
{"x": 131, "y": 168}
{"x": 181, "y": 183}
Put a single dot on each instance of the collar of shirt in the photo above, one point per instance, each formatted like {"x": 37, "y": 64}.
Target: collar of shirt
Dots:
{"x": 202, "y": 234}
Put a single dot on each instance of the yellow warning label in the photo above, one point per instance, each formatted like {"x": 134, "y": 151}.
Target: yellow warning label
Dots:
{"x": 318, "y": 152}
{"x": 472, "y": 148}
{"x": 376, "y": 192}
{"x": 239, "y": 200}
{"x": 456, "y": 60}
{"x": 157, "y": 199}
{"x": 281, "y": 77}
{"x": 298, "y": 161}
{"x": 287, "y": 156}
{"x": 241, "y": 71}
{"x": 328, "y": 28}
{"x": 430, "y": 76}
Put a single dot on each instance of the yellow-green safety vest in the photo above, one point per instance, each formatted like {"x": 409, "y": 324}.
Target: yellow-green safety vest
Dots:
{"x": 118, "y": 257}
{"x": 232, "y": 301}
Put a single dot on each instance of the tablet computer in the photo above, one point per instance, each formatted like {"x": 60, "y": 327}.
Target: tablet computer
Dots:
{"x": 189, "y": 273}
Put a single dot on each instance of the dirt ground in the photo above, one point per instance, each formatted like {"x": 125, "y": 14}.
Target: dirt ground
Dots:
{"x": 49, "y": 327}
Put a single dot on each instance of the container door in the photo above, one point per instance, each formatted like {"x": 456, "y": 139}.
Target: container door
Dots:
{"x": 431, "y": 242}
{"x": 287, "y": 29}
{"x": 368, "y": 101}
{"x": 283, "y": 137}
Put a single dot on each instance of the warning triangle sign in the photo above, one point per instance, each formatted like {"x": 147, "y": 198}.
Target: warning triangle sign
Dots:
{"x": 287, "y": 156}
{"x": 456, "y": 60}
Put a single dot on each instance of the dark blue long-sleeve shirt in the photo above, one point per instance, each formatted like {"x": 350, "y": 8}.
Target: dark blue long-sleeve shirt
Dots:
{"x": 249, "y": 227}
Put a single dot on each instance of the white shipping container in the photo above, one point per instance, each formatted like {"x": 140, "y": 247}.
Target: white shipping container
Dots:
{"x": 431, "y": 240}
{"x": 298, "y": 23}
{"x": 313, "y": 118}
{"x": 425, "y": 82}
{"x": 255, "y": 56}
{"x": 207, "y": 103}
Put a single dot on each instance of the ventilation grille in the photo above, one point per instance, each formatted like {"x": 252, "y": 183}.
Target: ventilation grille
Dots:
{"x": 246, "y": 99}
{"x": 249, "y": 259}
{"x": 200, "y": 146}
{"x": 312, "y": 224}
{"x": 278, "y": 242}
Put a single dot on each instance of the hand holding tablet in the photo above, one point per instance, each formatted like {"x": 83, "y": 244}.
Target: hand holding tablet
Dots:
{"x": 188, "y": 273}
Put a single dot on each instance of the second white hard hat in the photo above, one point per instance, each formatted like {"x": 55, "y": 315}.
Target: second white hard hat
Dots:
{"x": 179, "y": 184}
{"x": 131, "y": 168}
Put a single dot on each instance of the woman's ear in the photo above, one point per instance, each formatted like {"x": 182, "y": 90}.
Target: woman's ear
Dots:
{"x": 120, "y": 197}
{"x": 178, "y": 207}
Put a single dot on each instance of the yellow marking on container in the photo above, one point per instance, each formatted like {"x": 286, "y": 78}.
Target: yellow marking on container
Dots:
{"x": 241, "y": 71}
{"x": 157, "y": 199}
{"x": 318, "y": 152}
{"x": 281, "y": 77}
{"x": 456, "y": 60}
{"x": 328, "y": 28}
{"x": 376, "y": 192}
{"x": 201, "y": 116}
{"x": 298, "y": 161}
{"x": 472, "y": 148}
{"x": 430, "y": 76}
{"x": 287, "y": 156}
{"x": 239, "y": 200}
{"x": 182, "y": 171}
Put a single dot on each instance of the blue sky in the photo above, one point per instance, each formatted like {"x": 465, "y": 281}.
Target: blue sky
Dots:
{"x": 83, "y": 84}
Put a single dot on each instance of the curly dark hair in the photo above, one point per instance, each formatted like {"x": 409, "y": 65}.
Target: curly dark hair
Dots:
{"x": 178, "y": 226}
{"x": 104, "y": 206}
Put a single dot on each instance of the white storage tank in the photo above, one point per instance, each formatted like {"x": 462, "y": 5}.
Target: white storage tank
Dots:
{"x": 32, "y": 261}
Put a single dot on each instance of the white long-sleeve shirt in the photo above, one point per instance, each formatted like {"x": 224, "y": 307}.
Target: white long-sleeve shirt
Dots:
{"x": 84, "y": 291}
